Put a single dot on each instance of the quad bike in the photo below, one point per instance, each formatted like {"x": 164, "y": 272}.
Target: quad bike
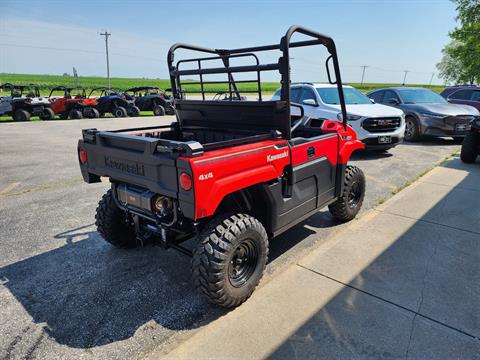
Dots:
{"x": 23, "y": 102}
{"x": 150, "y": 98}
{"x": 471, "y": 143}
{"x": 114, "y": 102}
{"x": 71, "y": 106}
{"x": 229, "y": 176}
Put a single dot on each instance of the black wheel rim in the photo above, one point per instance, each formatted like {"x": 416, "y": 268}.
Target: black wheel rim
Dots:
{"x": 243, "y": 263}
{"x": 355, "y": 195}
{"x": 409, "y": 128}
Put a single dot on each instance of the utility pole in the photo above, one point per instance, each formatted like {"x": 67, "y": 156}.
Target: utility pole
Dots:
{"x": 405, "y": 76}
{"x": 363, "y": 73}
{"x": 431, "y": 79}
{"x": 107, "y": 34}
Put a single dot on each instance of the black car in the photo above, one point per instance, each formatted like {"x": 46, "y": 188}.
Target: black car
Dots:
{"x": 151, "y": 98}
{"x": 427, "y": 113}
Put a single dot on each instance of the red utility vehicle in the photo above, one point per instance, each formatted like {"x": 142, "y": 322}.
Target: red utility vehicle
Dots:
{"x": 228, "y": 176}
{"x": 71, "y": 106}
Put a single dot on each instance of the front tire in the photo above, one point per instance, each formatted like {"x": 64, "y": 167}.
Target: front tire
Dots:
{"x": 230, "y": 259}
{"x": 134, "y": 111}
{"x": 158, "y": 110}
{"x": 120, "y": 112}
{"x": 349, "y": 203}
{"x": 470, "y": 147}
{"x": 412, "y": 129}
{"x": 112, "y": 223}
{"x": 91, "y": 113}
{"x": 47, "y": 114}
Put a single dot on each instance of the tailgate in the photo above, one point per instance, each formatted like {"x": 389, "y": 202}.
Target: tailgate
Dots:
{"x": 147, "y": 162}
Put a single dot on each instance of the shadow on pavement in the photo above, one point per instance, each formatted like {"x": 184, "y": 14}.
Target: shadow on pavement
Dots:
{"x": 90, "y": 294}
{"x": 414, "y": 293}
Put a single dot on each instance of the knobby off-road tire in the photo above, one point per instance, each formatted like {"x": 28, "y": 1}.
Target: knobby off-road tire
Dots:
{"x": 349, "y": 203}
{"x": 75, "y": 114}
{"x": 412, "y": 129}
{"x": 47, "y": 114}
{"x": 120, "y": 112}
{"x": 91, "y": 113}
{"x": 230, "y": 258}
{"x": 21, "y": 115}
{"x": 158, "y": 110}
{"x": 470, "y": 146}
{"x": 134, "y": 111}
{"x": 112, "y": 225}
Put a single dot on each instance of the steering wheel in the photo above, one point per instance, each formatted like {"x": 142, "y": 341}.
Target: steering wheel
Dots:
{"x": 296, "y": 123}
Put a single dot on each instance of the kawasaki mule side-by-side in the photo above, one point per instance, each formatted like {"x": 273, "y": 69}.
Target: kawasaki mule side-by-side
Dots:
{"x": 471, "y": 143}
{"x": 114, "y": 102}
{"x": 150, "y": 98}
{"x": 24, "y": 101}
{"x": 74, "y": 106}
{"x": 229, "y": 175}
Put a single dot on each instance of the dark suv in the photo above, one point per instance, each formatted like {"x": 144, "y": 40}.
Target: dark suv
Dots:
{"x": 463, "y": 94}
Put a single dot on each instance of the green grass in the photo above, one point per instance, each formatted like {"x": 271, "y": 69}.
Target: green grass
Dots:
{"x": 47, "y": 82}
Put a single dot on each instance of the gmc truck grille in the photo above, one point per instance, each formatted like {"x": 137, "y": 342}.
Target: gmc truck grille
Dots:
{"x": 378, "y": 125}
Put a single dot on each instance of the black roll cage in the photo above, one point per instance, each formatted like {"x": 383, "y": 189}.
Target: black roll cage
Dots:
{"x": 21, "y": 87}
{"x": 283, "y": 66}
{"x": 104, "y": 91}
{"x": 67, "y": 90}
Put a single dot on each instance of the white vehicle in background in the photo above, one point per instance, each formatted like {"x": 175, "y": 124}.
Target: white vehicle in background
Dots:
{"x": 378, "y": 126}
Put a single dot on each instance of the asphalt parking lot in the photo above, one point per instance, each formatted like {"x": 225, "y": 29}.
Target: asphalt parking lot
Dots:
{"x": 64, "y": 293}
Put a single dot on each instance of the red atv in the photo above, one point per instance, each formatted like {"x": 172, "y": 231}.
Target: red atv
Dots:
{"x": 74, "y": 106}
{"x": 229, "y": 175}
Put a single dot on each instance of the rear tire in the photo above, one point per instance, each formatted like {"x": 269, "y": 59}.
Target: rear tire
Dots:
{"x": 112, "y": 223}
{"x": 230, "y": 259}
{"x": 412, "y": 129}
{"x": 134, "y": 111}
{"x": 120, "y": 112}
{"x": 470, "y": 147}
{"x": 47, "y": 114}
{"x": 349, "y": 203}
{"x": 158, "y": 110}
{"x": 21, "y": 115}
{"x": 75, "y": 114}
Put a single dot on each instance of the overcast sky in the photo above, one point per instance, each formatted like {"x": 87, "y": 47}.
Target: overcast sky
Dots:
{"x": 49, "y": 37}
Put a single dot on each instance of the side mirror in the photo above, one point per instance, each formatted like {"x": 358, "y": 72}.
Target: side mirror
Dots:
{"x": 393, "y": 101}
{"x": 309, "y": 102}
{"x": 372, "y": 101}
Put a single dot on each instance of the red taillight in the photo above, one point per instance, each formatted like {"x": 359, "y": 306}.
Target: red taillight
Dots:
{"x": 82, "y": 154}
{"x": 185, "y": 181}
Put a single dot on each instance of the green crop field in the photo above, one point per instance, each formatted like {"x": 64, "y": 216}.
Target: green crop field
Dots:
{"x": 47, "y": 82}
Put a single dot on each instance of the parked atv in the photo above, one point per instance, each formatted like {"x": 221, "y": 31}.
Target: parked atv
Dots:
{"x": 151, "y": 98}
{"x": 114, "y": 102}
{"x": 471, "y": 143}
{"x": 73, "y": 107}
{"x": 228, "y": 176}
{"x": 23, "y": 102}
